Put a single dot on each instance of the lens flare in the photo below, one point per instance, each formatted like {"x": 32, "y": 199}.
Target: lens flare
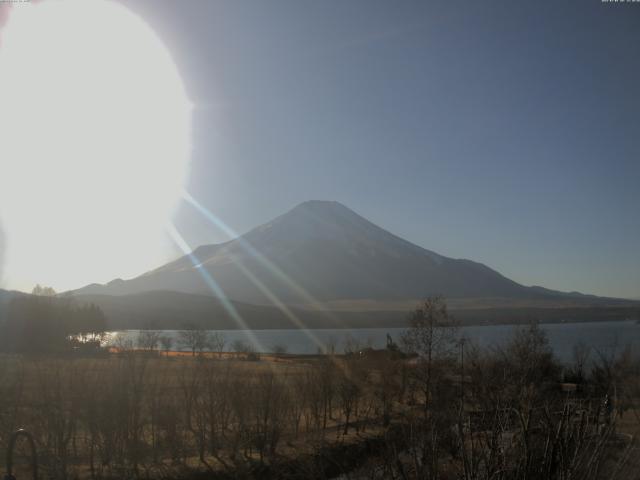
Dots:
{"x": 94, "y": 143}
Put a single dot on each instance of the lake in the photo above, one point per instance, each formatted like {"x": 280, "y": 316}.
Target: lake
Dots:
{"x": 603, "y": 336}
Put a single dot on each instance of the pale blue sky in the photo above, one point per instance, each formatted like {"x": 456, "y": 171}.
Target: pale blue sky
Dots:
{"x": 505, "y": 132}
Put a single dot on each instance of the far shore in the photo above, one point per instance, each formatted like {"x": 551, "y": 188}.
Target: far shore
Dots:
{"x": 464, "y": 318}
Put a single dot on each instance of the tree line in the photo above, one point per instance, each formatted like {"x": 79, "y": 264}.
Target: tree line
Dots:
{"x": 44, "y": 323}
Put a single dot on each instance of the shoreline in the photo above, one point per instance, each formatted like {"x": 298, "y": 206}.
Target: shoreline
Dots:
{"x": 383, "y": 326}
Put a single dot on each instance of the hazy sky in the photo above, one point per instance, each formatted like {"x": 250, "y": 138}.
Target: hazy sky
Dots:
{"x": 504, "y": 132}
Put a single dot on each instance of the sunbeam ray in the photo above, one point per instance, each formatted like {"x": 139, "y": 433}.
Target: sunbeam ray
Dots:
{"x": 270, "y": 266}
{"x": 273, "y": 269}
{"x": 278, "y": 303}
{"x": 211, "y": 283}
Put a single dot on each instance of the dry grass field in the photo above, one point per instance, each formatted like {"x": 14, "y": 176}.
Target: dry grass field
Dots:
{"x": 368, "y": 414}
{"x": 137, "y": 414}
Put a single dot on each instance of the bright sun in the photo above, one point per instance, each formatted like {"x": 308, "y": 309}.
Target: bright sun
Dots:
{"x": 94, "y": 143}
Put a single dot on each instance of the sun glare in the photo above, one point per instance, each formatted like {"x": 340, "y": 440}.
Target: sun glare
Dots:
{"x": 94, "y": 143}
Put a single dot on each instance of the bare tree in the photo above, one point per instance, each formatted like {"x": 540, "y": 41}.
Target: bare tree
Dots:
{"x": 167, "y": 343}
{"x": 123, "y": 343}
{"x": 348, "y": 394}
{"x": 242, "y": 347}
{"x": 217, "y": 342}
{"x": 195, "y": 340}
{"x": 432, "y": 338}
{"x": 148, "y": 340}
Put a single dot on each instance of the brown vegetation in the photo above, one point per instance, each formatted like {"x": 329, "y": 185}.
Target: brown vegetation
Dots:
{"x": 446, "y": 410}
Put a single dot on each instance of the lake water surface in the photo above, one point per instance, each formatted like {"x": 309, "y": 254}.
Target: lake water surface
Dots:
{"x": 605, "y": 337}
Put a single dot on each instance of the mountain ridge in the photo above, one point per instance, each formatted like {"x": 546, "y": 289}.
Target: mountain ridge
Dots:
{"x": 324, "y": 251}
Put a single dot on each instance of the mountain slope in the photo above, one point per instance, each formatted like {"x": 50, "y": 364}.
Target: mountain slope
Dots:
{"x": 330, "y": 252}
{"x": 174, "y": 311}
{"x": 5, "y": 299}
